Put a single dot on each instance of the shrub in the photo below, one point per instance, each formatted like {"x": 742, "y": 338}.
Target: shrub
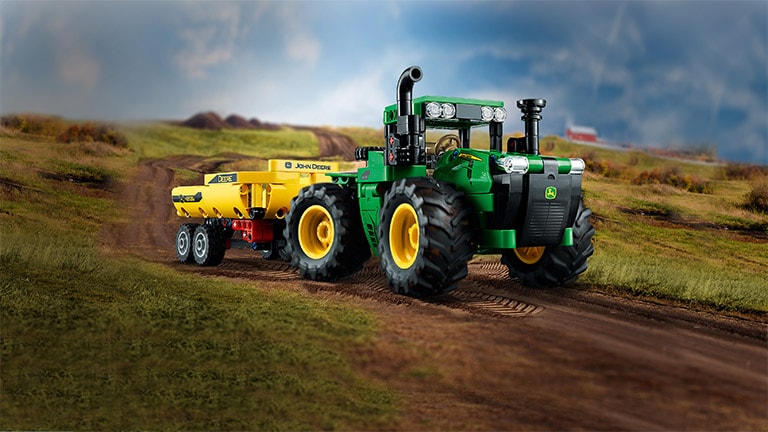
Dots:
{"x": 33, "y": 124}
{"x": 547, "y": 145}
{"x": 673, "y": 177}
{"x": 757, "y": 199}
{"x": 744, "y": 171}
{"x": 605, "y": 168}
{"x": 90, "y": 133}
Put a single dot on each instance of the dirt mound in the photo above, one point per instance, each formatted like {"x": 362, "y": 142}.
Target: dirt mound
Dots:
{"x": 258, "y": 124}
{"x": 206, "y": 120}
{"x": 238, "y": 122}
{"x": 335, "y": 144}
{"x": 209, "y": 120}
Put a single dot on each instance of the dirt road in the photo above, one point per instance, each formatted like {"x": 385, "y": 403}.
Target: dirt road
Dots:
{"x": 496, "y": 356}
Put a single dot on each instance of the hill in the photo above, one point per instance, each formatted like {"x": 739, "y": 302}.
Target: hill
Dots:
{"x": 210, "y": 120}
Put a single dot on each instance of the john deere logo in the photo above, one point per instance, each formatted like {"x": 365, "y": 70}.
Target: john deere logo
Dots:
{"x": 550, "y": 192}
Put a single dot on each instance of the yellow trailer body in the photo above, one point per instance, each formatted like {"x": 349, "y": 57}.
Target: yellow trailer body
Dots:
{"x": 231, "y": 195}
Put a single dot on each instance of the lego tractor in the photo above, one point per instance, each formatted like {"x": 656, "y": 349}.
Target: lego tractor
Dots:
{"x": 425, "y": 206}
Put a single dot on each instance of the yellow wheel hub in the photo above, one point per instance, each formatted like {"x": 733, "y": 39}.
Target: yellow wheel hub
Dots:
{"x": 316, "y": 232}
{"x": 530, "y": 255}
{"x": 404, "y": 236}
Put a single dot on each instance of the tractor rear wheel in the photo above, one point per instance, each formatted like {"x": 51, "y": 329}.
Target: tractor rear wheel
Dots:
{"x": 323, "y": 233}
{"x": 425, "y": 237}
{"x": 545, "y": 267}
{"x": 184, "y": 243}
{"x": 208, "y": 245}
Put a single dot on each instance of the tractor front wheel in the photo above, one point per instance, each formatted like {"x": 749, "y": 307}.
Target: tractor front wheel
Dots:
{"x": 425, "y": 237}
{"x": 545, "y": 267}
{"x": 323, "y": 233}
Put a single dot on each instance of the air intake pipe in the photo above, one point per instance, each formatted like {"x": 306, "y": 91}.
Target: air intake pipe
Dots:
{"x": 531, "y": 109}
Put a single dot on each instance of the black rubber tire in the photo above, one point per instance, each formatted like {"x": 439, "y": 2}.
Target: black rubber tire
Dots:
{"x": 184, "y": 243}
{"x": 559, "y": 265}
{"x": 446, "y": 239}
{"x": 208, "y": 246}
{"x": 348, "y": 249}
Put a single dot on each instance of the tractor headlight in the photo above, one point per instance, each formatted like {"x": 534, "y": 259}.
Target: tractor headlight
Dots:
{"x": 513, "y": 164}
{"x": 448, "y": 110}
{"x": 434, "y": 110}
{"x": 577, "y": 166}
{"x": 486, "y": 113}
{"x": 499, "y": 114}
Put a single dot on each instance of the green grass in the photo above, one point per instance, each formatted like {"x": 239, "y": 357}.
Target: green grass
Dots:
{"x": 91, "y": 341}
{"x": 364, "y": 137}
{"x": 660, "y": 241}
{"x": 102, "y": 344}
{"x": 158, "y": 140}
{"x": 703, "y": 267}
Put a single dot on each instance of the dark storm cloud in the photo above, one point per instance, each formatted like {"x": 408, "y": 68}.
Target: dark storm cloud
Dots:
{"x": 649, "y": 73}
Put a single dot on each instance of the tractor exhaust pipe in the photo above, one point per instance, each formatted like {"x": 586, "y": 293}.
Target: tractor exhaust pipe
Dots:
{"x": 405, "y": 84}
{"x": 405, "y": 139}
{"x": 531, "y": 109}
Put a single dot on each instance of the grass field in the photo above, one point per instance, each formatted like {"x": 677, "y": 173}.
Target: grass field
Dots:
{"x": 95, "y": 341}
{"x": 158, "y": 140}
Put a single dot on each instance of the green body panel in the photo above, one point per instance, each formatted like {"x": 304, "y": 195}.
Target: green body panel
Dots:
{"x": 378, "y": 172}
{"x": 373, "y": 182}
{"x": 567, "y": 237}
{"x": 490, "y": 241}
{"x": 536, "y": 164}
{"x": 497, "y": 239}
{"x": 468, "y": 170}
{"x": 451, "y": 165}
{"x": 343, "y": 177}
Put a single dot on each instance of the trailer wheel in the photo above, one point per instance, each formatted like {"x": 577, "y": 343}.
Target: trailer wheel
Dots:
{"x": 208, "y": 246}
{"x": 184, "y": 243}
{"x": 324, "y": 236}
{"x": 425, "y": 237}
{"x": 541, "y": 267}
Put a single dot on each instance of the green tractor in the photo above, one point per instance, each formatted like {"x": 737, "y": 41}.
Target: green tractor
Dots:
{"x": 425, "y": 208}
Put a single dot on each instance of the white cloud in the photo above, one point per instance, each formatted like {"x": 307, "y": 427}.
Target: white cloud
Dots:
{"x": 209, "y": 36}
{"x": 76, "y": 66}
{"x": 299, "y": 42}
{"x": 75, "y": 62}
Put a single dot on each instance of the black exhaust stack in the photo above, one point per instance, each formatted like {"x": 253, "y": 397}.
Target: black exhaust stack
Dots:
{"x": 405, "y": 141}
{"x": 408, "y": 78}
{"x": 531, "y": 109}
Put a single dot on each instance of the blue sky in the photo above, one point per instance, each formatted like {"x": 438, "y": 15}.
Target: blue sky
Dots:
{"x": 648, "y": 73}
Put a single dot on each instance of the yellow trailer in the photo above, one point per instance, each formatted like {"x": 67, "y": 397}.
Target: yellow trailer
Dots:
{"x": 252, "y": 203}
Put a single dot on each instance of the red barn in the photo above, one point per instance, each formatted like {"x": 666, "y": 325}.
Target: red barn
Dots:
{"x": 581, "y": 133}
